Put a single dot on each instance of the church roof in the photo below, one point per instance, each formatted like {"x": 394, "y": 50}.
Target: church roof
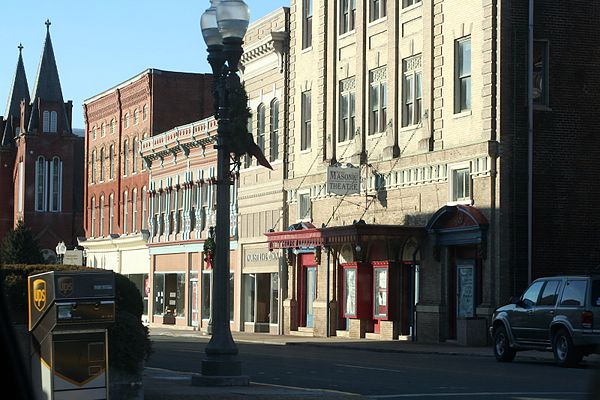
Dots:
{"x": 47, "y": 84}
{"x": 18, "y": 91}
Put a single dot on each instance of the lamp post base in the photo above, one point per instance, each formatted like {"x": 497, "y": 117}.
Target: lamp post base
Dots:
{"x": 221, "y": 370}
{"x": 204, "y": 380}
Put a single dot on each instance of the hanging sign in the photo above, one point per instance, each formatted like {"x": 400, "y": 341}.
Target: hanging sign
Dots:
{"x": 343, "y": 180}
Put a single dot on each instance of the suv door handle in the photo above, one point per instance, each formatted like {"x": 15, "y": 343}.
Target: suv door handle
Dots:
{"x": 551, "y": 312}
{"x": 530, "y": 312}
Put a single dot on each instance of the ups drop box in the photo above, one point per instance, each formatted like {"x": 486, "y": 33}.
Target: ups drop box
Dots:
{"x": 69, "y": 313}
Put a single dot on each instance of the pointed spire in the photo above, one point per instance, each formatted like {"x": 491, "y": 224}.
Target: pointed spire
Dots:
{"x": 19, "y": 90}
{"x": 47, "y": 84}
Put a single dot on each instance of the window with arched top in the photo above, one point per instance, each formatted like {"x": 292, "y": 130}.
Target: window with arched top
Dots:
{"x": 49, "y": 121}
{"x": 125, "y": 210}
{"x": 134, "y": 213}
{"x": 274, "y": 131}
{"x": 93, "y": 167}
{"x": 102, "y": 130}
{"x": 111, "y": 213}
{"x": 144, "y": 208}
{"x": 93, "y": 217}
{"x": 111, "y": 161}
{"x": 145, "y": 112}
{"x": 134, "y": 155}
{"x": 40, "y": 184}
{"x": 261, "y": 127}
{"x": 136, "y": 116}
{"x": 56, "y": 185}
{"x": 102, "y": 164}
{"x": 112, "y": 126}
{"x": 101, "y": 226}
{"x": 125, "y": 157}
{"x": 126, "y": 121}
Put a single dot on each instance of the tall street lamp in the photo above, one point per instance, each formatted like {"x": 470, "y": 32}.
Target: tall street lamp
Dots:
{"x": 224, "y": 25}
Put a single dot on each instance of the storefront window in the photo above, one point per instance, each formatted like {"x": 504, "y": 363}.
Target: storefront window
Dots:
{"x": 380, "y": 292}
{"x": 159, "y": 294}
{"x": 274, "y": 298}
{"x": 142, "y": 282}
{"x": 206, "y": 293}
{"x": 169, "y": 294}
{"x": 350, "y": 295}
{"x": 249, "y": 291}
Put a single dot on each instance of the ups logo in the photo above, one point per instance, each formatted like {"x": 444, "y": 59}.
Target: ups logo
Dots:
{"x": 39, "y": 294}
{"x": 65, "y": 286}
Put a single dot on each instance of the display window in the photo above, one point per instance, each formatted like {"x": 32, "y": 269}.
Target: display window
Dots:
{"x": 169, "y": 294}
{"x": 380, "y": 295}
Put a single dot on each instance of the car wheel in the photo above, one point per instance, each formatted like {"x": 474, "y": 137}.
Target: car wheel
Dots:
{"x": 565, "y": 352}
{"x": 502, "y": 349}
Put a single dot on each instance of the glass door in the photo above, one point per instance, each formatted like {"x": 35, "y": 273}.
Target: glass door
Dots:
{"x": 194, "y": 303}
{"x": 311, "y": 294}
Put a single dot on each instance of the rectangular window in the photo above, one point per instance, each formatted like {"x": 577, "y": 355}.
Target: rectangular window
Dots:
{"x": 231, "y": 295}
{"x": 101, "y": 233}
{"x": 549, "y": 293}
{"x": 540, "y": 72}
{"x": 274, "y": 314}
{"x": 347, "y": 110}
{"x": 21, "y": 186}
{"x": 134, "y": 155}
{"x": 347, "y": 15}
{"x": 596, "y": 293}
{"x": 134, "y": 212}
{"x": 461, "y": 185}
{"x": 463, "y": 75}
{"x": 306, "y": 120}
{"x": 249, "y": 296}
{"x": 377, "y": 9}
{"x": 378, "y": 100}
{"x": 93, "y": 211}
{"x": 55, "y": 185}
{"x": 159, "y": 294}
{"x": 144, "y": 209}
{"x": 408, "y": 3}
{"x": 412, "y": 97}
{"x": 304, "y": 206}
{"x": 260, "y": 132}
{"x": 574, "y": 293}
{"x": 306, "y": 23}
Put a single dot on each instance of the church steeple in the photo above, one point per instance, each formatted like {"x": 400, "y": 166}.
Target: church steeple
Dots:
{"x": 47, "y": 84}
{"x": 47, "y": 87}
{"x": 18, "y": 92}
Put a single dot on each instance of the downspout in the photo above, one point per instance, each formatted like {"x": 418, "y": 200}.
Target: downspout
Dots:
{"x": 530, "y": 145}
{"x": 415, "y": 294}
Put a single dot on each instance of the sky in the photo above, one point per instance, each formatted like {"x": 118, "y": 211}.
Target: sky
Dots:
{"x": 99, "y": 44}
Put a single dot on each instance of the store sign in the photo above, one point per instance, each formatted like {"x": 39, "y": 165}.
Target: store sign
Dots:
{"x": 261, "y": 256}
{"x": 343, "y": 180}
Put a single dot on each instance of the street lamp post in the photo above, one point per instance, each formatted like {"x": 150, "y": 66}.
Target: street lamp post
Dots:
{"x": 223, "y": 25}
{"x": 61, "y": 250}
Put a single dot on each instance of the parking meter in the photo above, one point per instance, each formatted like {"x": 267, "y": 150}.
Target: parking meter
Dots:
{"x": 69, "y": 314}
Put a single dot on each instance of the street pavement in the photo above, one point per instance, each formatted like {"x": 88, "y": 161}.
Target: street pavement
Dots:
{"x": 170, "y": 384}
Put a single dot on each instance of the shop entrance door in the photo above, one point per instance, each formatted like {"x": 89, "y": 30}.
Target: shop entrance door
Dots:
{"x": 311, "y": 294}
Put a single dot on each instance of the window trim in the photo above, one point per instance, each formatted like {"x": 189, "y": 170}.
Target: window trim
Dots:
{"x": 378, "y": 117}
{"x": 458, "y": 79}
{"x": 347, "y": 91}
{"x": 305, "y": 120}
{"x": 348, "y": 16}
{"x": 308, "y": 215}
{"x": 381, "y": 10}
{"x": 307, "y": 31}
{"x": 450, "y": 173}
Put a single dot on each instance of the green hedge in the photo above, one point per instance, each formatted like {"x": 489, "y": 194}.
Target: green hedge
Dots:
{"x": 128, "y": 337}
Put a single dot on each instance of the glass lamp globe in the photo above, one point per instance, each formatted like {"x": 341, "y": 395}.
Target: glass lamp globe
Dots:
{"x": 233, "y": 17}
{"x": 209, "y": 26}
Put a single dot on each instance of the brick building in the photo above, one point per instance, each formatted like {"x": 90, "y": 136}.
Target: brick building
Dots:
{"x": 41, "y": 159}
{"x": 116, "y": 178}
{"x": 429, "y": 105}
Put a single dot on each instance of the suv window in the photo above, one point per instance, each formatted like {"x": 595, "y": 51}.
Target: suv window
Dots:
{"x": 596, "y": 293}
{"x": 574, "y": 293}
{"x": 531, "y": 295}
{"x": 549, "y": 294}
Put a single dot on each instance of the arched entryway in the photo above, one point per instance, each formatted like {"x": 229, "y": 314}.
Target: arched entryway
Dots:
{"x": 460, "y": 233}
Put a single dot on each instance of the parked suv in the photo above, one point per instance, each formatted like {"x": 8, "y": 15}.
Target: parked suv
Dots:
{"x": 560, "y": 313}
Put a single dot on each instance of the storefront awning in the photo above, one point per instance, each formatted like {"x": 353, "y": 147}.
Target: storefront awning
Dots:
{"x": 299, "y": 235}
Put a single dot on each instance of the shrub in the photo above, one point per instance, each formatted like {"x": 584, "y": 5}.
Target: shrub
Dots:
{"x": 129, "y": 342}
